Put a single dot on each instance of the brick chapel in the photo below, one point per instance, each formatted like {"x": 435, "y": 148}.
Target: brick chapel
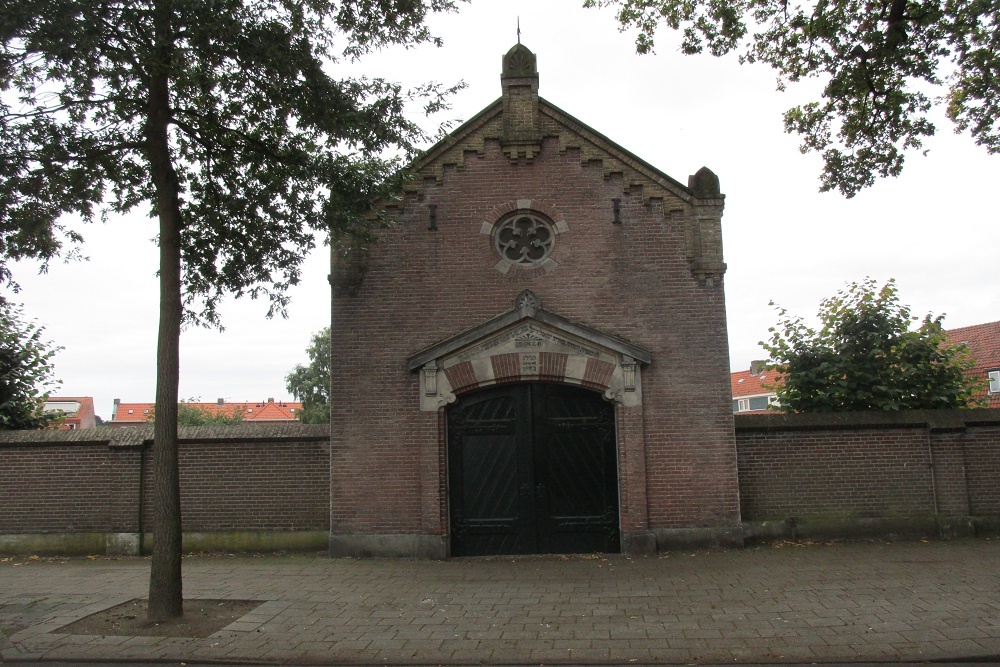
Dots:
{"x": 533, "y": 357}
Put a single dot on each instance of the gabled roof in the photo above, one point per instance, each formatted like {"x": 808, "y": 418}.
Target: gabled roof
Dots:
{"x": 983, "y": 341}
{"x": 132, "y": 412}
{"x": 79, "y": 411}
{"x": 270, "y": 411}
{"x": 521, "y": 120}
{"x": 592, "y": 144}
{"x": 524, "y": 125}
{"x": 745, "y": 384}
{"x": 262, "y": 411}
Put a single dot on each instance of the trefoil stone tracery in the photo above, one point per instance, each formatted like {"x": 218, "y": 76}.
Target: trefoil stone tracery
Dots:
{"x": 524, "y": 240}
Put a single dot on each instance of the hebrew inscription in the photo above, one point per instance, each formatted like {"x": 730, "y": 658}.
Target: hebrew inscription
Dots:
{"x": 529, "y": 363}
{"x": 527, "y": 336}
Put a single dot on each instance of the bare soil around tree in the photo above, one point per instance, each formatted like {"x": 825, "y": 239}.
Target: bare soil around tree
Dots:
{"x": 202, "y": 618}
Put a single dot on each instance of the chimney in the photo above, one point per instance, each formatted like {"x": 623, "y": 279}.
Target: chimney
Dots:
{"x": 758, "y": 366}
{"x": 114, "y": 410}
{"x": 220, "y": 401}
{"x": 270, "y": 400}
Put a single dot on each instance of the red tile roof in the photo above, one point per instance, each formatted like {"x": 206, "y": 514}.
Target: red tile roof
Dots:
{"x": 261, "y": 411}
{"x": 82, "y": 417}
{"x": 983, "y": 341}
{"x": 744, "y": 384}
{"x": 752, "y": 383}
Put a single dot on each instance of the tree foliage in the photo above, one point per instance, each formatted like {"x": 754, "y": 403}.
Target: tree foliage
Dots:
{"x": 865, "y": 356}
{"x": 234, "y": 123}
{"x": 263, "y": 145}
{"x": 192, "y": 415}
{"x": 311, "y": 384}
{"x": 26, "y": 373}
{"x": 883, "y": 66}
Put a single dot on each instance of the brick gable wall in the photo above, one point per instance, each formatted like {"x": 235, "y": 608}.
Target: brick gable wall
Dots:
{"x": 633, "y": 281}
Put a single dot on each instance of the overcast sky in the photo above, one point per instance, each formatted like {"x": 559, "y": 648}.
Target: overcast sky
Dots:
{"x": 935, "y": 229}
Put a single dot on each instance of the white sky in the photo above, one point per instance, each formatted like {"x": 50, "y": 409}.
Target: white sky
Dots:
{"x": 935, "y": 228}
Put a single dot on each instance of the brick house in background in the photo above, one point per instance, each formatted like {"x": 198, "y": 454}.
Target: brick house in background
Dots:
{"x": 78, "y": 411}
{"x": 263, "y": 412}
{"x": 750, "y": 394}
{"x": 532, "y": 357}
{"x": 983, "y": 341}
{"x": 751, "y": 389}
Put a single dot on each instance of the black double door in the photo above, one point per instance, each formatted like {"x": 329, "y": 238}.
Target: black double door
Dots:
{"x": 532, "y": 468}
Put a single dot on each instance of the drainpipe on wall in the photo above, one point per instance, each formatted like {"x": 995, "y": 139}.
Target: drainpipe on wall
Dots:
{"x": 934, "y": 490}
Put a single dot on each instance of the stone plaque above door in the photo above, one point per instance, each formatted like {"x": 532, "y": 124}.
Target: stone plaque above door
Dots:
{"x": 529, "y": 344}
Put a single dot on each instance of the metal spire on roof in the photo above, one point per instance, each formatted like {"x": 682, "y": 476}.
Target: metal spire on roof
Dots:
{"x": 518, "y": 29}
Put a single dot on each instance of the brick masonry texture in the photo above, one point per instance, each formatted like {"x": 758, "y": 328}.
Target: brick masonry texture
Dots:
{"x": 632, "y": 281}
{"x": 869, "y": 466}
{"x": 255, "y": 486}
{"x": 71, "y": 487}
{"x": 857, "y": 473}
{"x": 251, "y": 478}
{"x": 983, "y": 466}
{"x": 636, "y": 261}
{"x": 637, "y": 256}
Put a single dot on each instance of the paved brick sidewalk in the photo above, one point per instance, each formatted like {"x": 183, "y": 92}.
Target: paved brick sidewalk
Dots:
{"x": 819, "y": 603}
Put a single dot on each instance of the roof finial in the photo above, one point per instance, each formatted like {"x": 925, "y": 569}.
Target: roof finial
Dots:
{"x": 518, "y": 29}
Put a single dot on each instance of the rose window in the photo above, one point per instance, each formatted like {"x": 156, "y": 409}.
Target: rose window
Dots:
{"x": 525, "y": 240}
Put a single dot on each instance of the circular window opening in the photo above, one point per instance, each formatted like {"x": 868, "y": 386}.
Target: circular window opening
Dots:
{"x": 525, "y": 239}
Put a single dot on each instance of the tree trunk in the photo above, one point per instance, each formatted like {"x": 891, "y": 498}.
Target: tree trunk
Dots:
{"x": 165, "y": 592}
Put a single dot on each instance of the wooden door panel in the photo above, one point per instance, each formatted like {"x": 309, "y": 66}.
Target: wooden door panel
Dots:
{"x": 532, "y": 468}
{"x": 486, "y": 469}
{"x": 575, "y": 446}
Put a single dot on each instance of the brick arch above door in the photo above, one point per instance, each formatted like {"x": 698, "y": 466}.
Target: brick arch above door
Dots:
{"x": 528, "y": 343}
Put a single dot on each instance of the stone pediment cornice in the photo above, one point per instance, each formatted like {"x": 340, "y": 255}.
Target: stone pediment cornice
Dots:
{"x": 529, "y": 344}
{"x": 527, "y": 307}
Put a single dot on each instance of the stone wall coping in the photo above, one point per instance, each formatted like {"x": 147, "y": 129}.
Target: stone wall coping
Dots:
{"x": 661, "y": 178}
{"x": 934, "y": 420}
{"x": 546, "y": 108}
{"x": 138, "y": 436}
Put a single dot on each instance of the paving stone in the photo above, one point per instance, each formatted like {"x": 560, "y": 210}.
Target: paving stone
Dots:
{"x": 846, "y": 602}
{"x": 422, "y": 644}
{"x": 964, "y": 633}
{"x": 961, "y": 647}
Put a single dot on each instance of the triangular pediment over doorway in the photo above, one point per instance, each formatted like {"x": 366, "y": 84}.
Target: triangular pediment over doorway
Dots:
{"x": 529, "y": 344}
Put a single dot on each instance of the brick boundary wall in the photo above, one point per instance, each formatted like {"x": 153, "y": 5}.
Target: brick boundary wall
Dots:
{"x": 913, "y": 474}
{"x": 247, "y": 488}
{"x": 243, "y": 488}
